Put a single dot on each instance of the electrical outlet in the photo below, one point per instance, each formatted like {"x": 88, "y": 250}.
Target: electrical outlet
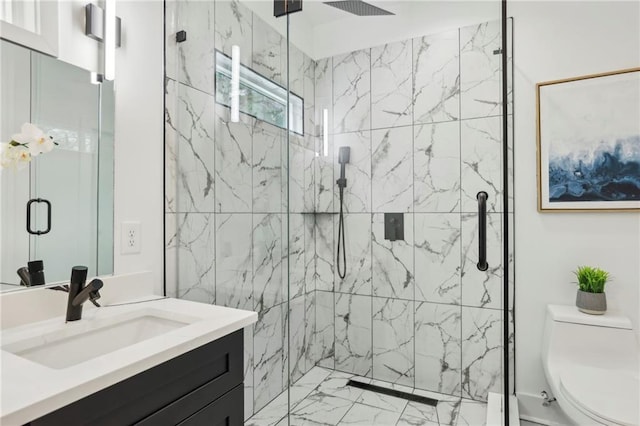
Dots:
{"x": 130, "y": 242}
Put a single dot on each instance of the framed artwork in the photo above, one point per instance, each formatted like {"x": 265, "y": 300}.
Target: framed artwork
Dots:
{"x": 589, "y": 142}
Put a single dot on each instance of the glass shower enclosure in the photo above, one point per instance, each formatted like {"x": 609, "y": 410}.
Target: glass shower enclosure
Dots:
{"x": 381, "y": 273}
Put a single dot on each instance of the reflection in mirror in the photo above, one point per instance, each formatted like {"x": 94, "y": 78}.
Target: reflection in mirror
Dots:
{"x": 76, "y": 177}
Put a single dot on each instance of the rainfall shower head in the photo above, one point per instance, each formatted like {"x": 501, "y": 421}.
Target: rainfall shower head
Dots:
{"x": 358, "y": 7}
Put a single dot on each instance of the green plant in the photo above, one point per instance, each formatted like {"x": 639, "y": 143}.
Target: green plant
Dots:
{"x": 591, "y": 280}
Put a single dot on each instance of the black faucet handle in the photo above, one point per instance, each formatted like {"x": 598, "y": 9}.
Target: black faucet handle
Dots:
{"x": 94, "y": 294}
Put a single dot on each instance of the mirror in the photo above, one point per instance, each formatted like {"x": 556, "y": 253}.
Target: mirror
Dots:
{"x": 75, "y": 178}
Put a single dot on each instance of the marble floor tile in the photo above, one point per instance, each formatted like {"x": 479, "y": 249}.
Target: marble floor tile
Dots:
{"x": 382, "y": 401}
{"x": 365, "y": 415}
{"x": 448, "y": 412}
{"x": 272, "y": 413}
{"x": 472, "y": 414}
{"x": 416, "y": 413}
{"x": 336, "y": 385}
{"x": 320, "y": 409}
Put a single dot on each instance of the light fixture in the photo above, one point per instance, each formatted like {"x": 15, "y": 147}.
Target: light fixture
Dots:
{"x": 235, "y": 83}
{"x": 104, "y": 26}
{"x": 109, "y": 39}
{"x": 325, "y": 132}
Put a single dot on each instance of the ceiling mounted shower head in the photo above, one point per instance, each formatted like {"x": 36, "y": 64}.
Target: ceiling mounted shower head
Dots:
{"x": 358, "y": 7}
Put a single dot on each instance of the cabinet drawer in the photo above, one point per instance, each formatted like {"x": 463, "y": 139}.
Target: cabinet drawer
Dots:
{"x": 226, "y": 411}
{"x": 218, "y": 363}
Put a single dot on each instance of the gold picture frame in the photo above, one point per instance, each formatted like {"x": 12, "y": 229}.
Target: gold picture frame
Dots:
{"x": 588, "y": 143}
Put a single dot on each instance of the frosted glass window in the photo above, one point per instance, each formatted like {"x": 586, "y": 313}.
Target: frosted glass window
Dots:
{"x": 259, "y": 96}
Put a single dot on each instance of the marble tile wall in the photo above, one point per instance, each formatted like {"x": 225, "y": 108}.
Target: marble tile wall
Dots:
{"x": 227, "y": 195}
{"x": 423, "y": 119}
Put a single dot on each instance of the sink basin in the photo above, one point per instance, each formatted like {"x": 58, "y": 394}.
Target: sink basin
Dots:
{"x": 86, "y": 339}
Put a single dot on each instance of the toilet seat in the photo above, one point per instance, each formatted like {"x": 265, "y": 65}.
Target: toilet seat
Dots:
{"x": 608, "y": 396}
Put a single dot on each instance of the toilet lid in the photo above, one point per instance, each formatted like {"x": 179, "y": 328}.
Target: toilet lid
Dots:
{"x": 610, "y": 395}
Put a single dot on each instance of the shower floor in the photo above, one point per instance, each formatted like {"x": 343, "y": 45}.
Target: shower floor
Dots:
{"x": 322, "y": 397}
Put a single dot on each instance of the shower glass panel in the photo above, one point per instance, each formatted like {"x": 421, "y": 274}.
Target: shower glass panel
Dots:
{"x": 404, "y": 127}
{"x": 253, "y": 210}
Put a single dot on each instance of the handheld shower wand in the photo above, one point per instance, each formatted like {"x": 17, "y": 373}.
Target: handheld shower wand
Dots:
{"x": 343, "y": 158}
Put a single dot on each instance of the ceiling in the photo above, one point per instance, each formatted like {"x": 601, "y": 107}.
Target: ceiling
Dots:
{"x": 322, "y": 31}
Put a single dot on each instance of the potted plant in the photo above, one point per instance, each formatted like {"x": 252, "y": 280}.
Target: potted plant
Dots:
{"x": 591, "y": 298}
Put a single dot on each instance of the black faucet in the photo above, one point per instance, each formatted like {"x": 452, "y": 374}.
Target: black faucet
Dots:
{"x": 78, "y": 293}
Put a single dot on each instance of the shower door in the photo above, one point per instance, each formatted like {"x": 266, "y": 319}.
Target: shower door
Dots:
{"x": 399, "y": 282}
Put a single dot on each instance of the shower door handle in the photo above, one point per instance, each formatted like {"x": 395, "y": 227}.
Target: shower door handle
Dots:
{"x": 48, "y": 204}
{"x": 482, "y": 231}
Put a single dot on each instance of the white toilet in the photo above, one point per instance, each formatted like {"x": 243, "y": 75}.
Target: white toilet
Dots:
{"x": 591, "y": 363}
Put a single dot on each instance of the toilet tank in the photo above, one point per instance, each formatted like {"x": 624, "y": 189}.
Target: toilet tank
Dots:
{"x": 601, "y": 340}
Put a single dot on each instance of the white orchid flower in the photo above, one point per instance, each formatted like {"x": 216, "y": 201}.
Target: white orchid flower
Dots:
{"x": 15, "y": 157}
{"x": 37, "y": 141}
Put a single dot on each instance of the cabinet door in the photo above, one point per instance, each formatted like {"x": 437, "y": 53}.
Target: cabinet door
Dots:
{"x": 225, "y": 411}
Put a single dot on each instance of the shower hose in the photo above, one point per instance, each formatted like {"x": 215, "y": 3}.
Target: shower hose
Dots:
{"x": 341, "y": 273}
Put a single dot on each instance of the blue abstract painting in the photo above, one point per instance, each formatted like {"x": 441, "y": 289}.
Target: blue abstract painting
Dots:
{"x": 610, "y": 172}
{"x": 589, "y": 142}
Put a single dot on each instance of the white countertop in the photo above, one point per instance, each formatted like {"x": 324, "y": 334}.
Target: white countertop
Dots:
{"x": 31, "y": 390}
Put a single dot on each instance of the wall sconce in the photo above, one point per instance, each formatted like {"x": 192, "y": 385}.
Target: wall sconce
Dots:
{"x": 103, "y": 25}
{"x": 235, "y": 84}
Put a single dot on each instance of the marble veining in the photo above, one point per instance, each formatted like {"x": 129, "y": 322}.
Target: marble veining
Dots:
{"x": 267, "y": 261}
{"x": 358, "y": 253}
{"x": 437, "y": 167}
{"x": 196, "y": 269}
{"x": 357, "y": 194}
{"x": 481, "y": 288}
{"x": 481, "y": 158}
{"x": 268, "y": 356}
{"x": 393, "y": 271}
{"x": 391, "y": 85}
{"x": 437, "y": 257}
{"x": 353, "y": 334}
{"x": 248, "y": 371}
{"x": 393, "y": 350}
{"x": 352, "y": 91}
{"x": 480, "y": 70}
{"x": 296, "y": 254}
{"x": 194, "y": 123}
{"x": 267, "y": 168}
{"x": 233, "y": 160}
{"x": 233, "y": 26}
{"x": 438, "y": 348}
{"x": 323, "y": 349}
{"x": 481, "y": 352}
{"x": 196, "y": 56}
{"x": 234, "y": 280}
{"x": 325, "y": 254}
{"x": 436, "y": 78}
{"x": 392, "y": 169}
{"x": 267, "y": 51}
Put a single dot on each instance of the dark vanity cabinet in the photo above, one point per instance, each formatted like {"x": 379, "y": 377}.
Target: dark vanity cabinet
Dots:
{"x": 201, "y": 387}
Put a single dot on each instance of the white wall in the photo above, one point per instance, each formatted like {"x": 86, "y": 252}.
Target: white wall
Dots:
{"x": 139, "y": 135}
{"x": 554, "y": 40}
